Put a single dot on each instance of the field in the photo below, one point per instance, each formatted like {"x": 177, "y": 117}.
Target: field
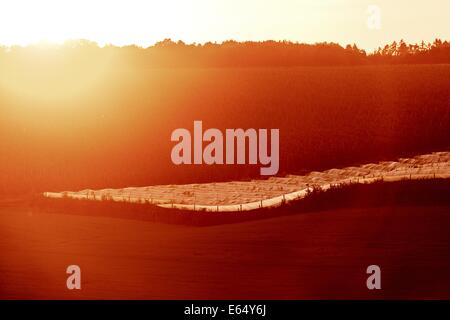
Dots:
{"x": 310, "y": 255}
{"x": 111, "y": 129}
{"x": 102, "y": 130}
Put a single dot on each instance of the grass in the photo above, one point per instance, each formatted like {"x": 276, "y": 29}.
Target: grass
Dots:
{"x": 316, "y": 255}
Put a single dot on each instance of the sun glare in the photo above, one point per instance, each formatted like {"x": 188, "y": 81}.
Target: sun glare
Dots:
{"x": 138, "y": 22}
{"x": 144, "y": 22}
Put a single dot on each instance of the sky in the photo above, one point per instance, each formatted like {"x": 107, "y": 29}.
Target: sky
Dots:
{"x": 368, "y": 23}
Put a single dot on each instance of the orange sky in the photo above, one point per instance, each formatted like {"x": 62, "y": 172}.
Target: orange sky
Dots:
{"x": 145, "y": 22}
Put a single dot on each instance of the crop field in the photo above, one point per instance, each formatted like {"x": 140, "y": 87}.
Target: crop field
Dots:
{"x": 112, "y": 130}
{"x": 102, "y": 132}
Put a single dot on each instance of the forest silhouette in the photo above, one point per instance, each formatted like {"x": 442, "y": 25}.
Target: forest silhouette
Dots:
{"x": 168, "y": 53}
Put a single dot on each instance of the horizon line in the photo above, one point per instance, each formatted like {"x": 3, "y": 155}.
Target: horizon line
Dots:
{"x": 52, "y": 43}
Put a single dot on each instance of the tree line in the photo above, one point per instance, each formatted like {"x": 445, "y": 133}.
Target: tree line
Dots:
{"x": 168, "y": 53}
